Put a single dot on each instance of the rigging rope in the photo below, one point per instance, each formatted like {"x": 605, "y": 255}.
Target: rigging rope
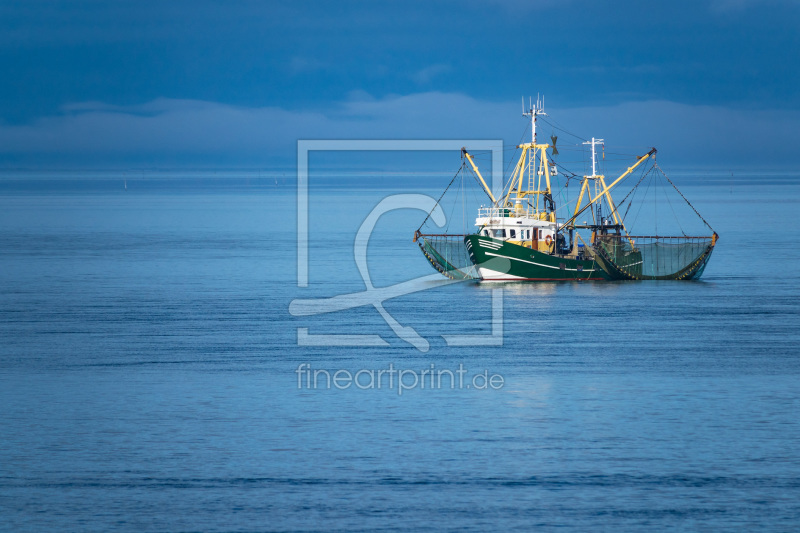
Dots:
{"x": 682, "y": 196}
{"x": 644, "y": 175}
{"x": 559, "y": 128}
{"x": 442, "y": 196}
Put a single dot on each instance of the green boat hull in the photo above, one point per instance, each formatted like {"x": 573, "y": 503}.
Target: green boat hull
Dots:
{"x": 497, "y": 260}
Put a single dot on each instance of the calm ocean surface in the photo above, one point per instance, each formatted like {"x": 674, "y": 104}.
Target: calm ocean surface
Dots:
{"x": 148, "y": 372}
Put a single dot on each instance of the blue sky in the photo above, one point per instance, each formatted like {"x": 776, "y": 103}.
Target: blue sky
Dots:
{"x": 183, "y": 83}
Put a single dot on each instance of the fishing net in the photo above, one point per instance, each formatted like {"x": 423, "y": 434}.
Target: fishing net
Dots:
{"x": 444, "y": 246}
{"x": 652, "y": 258}
{"x": 448, "y": 255}
{"x": 667, "y": 250}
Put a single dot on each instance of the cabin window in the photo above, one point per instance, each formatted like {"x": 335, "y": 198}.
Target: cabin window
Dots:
{"x": 513, "y": 233}
{"x": 540, "y": 233}
{"x": 486, "y": 232}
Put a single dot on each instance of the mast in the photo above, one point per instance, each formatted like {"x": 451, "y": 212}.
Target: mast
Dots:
{"x": 533, "y": 111}
{"x": 594, "y": 142}
{"x": 534, "y": 158}
{"x": 598, "y": 180}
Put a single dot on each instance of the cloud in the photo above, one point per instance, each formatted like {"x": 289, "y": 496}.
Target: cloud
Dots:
{"x": 162, "y": 126}
{"x": 186, "y": 132}
{"x": 694, "y": 134}
{"x": 425, "y": 75}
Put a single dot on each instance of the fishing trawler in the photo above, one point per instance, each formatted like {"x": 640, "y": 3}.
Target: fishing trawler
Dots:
{"x": 521, "y": 238}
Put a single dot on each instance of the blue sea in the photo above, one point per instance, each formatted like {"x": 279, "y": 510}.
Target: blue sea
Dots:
{"x": 155, "y": 374}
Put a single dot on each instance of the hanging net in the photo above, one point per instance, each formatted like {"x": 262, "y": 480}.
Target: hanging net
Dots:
{"x": 444, "y": 250}
{"x": 641, "y": 258}
{"x": 665, "y": 251}
{"x": 448, "y": 255}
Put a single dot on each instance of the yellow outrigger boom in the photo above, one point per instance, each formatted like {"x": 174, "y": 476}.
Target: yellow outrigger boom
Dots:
{"x": 475, "y": 168}
{"x": 604, "y": 192}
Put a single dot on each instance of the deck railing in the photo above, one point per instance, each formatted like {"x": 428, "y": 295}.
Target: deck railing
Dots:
{"x": 502, "y": 212}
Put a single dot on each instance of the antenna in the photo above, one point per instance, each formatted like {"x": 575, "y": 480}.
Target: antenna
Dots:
{"x": 533, "y": 112}
{"x": 593, "y": 142}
